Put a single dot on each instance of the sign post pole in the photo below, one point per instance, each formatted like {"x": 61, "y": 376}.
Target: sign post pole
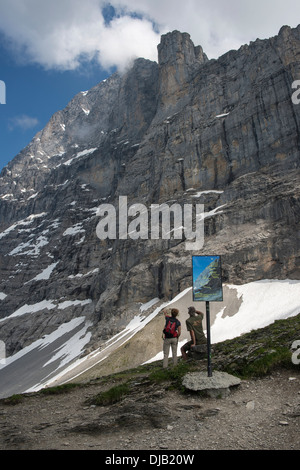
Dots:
{"x": 209, "y": 367}
{"x": 207, "y": 287}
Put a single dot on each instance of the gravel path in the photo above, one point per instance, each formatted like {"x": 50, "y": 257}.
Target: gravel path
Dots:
{"x": 257, "y": 415}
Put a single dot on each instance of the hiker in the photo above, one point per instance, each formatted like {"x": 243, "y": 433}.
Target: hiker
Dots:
{"x": 194, "y": 326}
{"x": 171, "y": 334}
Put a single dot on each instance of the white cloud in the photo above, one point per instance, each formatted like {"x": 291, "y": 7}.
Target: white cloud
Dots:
{"x": 219, "y": 25}
{"x": 23, "y": 122}
{"x": 53, "y": 34}
{"x": 127, "y": 38}
{"x": 64, "y": 33}
{"x": 60, "y": 34}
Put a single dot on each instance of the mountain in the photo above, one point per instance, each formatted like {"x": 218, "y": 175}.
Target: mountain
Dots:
{"x": 186, "y": 132}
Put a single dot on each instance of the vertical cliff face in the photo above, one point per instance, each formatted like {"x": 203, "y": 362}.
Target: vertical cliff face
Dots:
{"x": 178, "y": 58}
{"x": 224, "y": 133}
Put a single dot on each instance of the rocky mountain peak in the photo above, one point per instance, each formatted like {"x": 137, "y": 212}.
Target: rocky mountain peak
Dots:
{"x": 178, "y": 59}
{"x": 177, "y": 48}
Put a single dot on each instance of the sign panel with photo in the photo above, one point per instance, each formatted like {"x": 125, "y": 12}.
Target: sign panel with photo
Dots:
{"x": 207, "y": 279}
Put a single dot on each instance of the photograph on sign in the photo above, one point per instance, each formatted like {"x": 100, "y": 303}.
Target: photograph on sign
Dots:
{"x": 207, "y": 279}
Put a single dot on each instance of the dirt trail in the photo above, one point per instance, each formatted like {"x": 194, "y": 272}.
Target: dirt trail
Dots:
{"x": 257, "y": 415}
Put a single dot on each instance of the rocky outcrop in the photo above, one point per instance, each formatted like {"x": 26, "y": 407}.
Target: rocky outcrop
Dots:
{"x": 178, "y": 59}
{"x": 224, "y": 133}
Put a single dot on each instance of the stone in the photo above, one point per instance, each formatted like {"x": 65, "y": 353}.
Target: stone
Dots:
{"x": 250, "y": 405}
{"x": 216, "y": 386}
{"x": 198, "y": 352}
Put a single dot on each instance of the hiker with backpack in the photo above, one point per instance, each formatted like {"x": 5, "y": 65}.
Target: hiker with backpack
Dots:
{"x": 171, "y": 334}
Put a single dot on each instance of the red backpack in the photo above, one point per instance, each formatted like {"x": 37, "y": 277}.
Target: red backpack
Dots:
{"x": 170, "y": 329}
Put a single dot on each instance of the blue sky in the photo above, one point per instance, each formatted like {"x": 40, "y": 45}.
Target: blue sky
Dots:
{"x": 52, "y": 50}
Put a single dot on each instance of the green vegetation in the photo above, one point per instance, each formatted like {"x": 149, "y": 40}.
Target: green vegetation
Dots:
{"x": 173, "y": 375}
{"x": 111, "y": 396}
{"x": 13, "y": 400}
{"x": 151, "y": 375}
{"x": 263, "y": 365}
{"x": 59, "y": 389}
{"x": 259, "y": 352}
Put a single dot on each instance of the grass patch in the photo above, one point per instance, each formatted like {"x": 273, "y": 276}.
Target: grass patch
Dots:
{"x": 111, "y": 396}
{"x": 60, "y": 389}
{"x": 263, "y": 365}
{"x": 156, "y": 375}
{"x": 259, "y": 352}
{"x": 13, "y": 400}
{"x": 174, "y": 374}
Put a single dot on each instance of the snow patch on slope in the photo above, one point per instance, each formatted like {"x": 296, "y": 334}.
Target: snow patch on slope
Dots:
{"x": 263, "y": 302}
{"x": 45, "y": 274}
{"x": 45, "y": 305}
{"x": 23, "y": 222}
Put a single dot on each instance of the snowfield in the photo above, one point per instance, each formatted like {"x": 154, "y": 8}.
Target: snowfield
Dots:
{"x": 263, "y": 302}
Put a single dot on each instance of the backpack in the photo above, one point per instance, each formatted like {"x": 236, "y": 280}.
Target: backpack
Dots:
{"x": 170, "y": 328}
